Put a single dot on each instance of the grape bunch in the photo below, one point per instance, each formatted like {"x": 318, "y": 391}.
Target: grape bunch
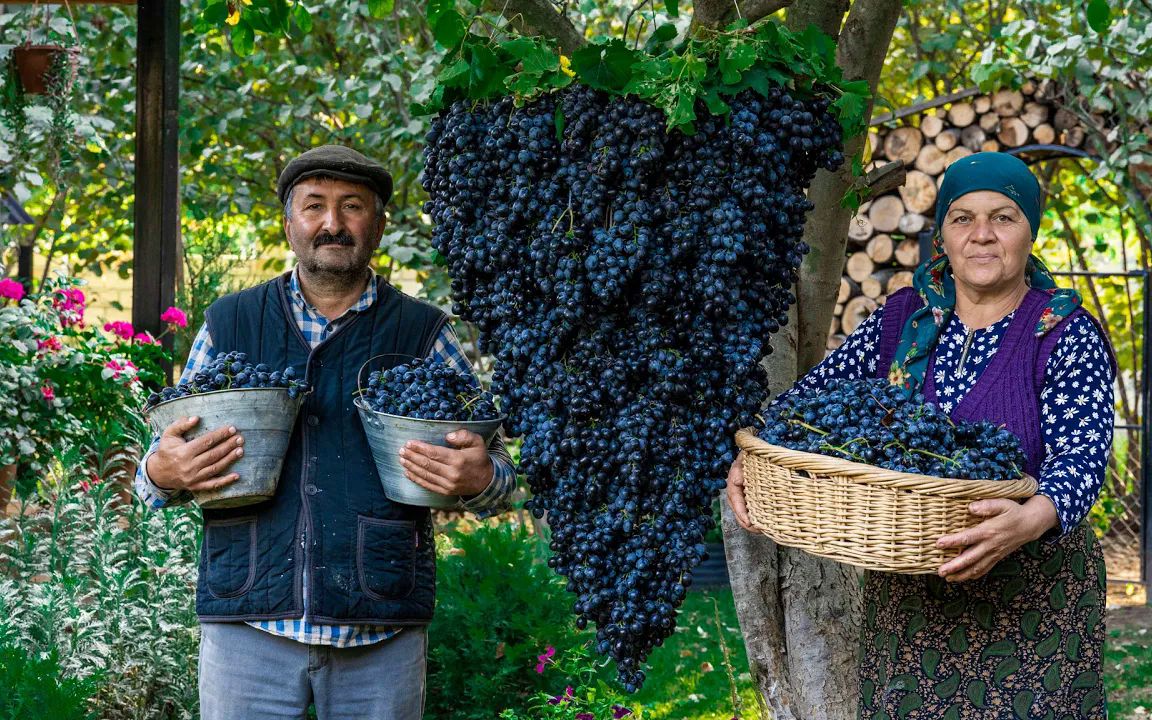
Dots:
{"x": 231, "y": 371}
{"x": 626, "y": 280}
{"x": 429, "y": 390}
{"x": 873, "y": 422}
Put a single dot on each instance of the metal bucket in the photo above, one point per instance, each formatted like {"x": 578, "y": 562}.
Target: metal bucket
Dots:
{"x": 388, "y": 433}
{"x": 263, "y": 416}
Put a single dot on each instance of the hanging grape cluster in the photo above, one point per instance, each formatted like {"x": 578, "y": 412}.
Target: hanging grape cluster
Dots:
{"x": 429, "y": 390}
{"x": 231, "y": 371}
{"x": 626, "y": 280}
{"x": 874, "y": 422}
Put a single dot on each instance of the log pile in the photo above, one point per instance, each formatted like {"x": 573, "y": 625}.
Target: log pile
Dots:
{"x": 884, "y": 237}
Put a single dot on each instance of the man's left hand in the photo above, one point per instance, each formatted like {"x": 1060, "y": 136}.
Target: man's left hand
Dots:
{"x": 463, "y": 469}
{"x": 1009, "y": 525}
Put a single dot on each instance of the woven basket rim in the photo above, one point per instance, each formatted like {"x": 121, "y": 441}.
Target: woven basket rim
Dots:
{"x": 957, "y": 488}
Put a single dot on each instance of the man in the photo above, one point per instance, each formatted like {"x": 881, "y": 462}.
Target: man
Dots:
{"x": 323, "y": 593}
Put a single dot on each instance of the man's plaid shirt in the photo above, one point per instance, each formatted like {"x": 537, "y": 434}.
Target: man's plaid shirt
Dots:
{"x": 316, "y": 328}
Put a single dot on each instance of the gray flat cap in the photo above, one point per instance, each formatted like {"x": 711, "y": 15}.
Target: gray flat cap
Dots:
{"x": 336, "y": 161}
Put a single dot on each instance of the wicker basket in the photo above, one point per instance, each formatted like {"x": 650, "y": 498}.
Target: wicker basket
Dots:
{"x": 859, "y": 514}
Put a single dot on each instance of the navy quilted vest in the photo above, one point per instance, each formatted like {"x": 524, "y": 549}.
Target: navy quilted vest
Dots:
{"x": 368, "y": 560}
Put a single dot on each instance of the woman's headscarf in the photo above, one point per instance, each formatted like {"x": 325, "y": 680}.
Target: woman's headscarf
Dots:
{"x": 998, "y": 172}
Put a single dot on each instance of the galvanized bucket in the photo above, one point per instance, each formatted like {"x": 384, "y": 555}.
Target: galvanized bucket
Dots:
{"x": 388, "y": 433}
{"x": 263, "y": 416}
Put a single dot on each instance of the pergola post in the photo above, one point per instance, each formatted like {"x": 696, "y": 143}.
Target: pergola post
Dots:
{"x": 156, "y": 246}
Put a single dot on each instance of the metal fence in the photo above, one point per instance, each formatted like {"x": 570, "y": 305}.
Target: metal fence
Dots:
{"x": 1123, "y": 515}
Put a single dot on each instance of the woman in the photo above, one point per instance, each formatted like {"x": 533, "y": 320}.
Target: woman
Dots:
{"x": 1013, "y": 626}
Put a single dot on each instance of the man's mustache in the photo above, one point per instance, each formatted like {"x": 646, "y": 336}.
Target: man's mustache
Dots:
{"x": 328, "y": 238}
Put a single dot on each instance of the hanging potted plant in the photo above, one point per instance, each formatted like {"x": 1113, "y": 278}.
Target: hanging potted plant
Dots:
{"x": 38, "y": 66}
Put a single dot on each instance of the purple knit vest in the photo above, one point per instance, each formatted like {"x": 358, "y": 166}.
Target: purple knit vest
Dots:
{"x": 1008, "y": 391}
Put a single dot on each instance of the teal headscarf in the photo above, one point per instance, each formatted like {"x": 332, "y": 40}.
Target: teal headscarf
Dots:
{"x": 998, "y": 172}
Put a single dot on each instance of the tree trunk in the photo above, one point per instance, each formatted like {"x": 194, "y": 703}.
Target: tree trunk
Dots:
{"x": 800, "y": 615}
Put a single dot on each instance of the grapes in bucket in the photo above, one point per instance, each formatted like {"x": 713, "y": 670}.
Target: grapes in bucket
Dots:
{"x": 422, "y": 399}
{"x": 260, "y": 402}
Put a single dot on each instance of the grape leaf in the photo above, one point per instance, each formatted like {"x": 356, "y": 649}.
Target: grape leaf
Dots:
{"x": 735, "y": 59}
{"x": 606, "y": 66}
{"x": 446, "y": 22}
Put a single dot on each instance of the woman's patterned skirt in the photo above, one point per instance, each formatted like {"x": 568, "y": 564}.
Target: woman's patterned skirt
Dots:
{"x": 1024, "y": 641}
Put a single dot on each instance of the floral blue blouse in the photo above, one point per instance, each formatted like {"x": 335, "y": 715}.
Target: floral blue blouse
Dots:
{"x": 1077, "y": 412}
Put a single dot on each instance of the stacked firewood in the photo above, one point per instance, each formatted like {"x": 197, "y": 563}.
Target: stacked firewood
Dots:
{"x": 884, "y": 237}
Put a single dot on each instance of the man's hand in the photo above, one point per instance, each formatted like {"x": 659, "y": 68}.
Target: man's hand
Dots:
{"x": 195, "y": 465}
{"x": 464, "y": 469}
{"x": 1008, "y": 527}
{"x": 736, "y": 494}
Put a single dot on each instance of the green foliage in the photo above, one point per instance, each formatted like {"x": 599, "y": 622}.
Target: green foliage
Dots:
{"x": 498, "y": 608}
{"x": 107, "y": 587}
{"x": 698, "y": 74}
{"x": 1128, "y": 664}
{"x": 67, "y": 387}
{"x": 586, "y": 695}
{"x": 34, "y": 689}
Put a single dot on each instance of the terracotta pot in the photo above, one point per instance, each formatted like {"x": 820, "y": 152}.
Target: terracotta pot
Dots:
{"x": 34, "y": 65}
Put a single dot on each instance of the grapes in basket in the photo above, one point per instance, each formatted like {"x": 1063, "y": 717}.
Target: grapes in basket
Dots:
{"x": 231, "y": 371}
{"x": 873, "y": 422}
{"x": 429, "y": 390}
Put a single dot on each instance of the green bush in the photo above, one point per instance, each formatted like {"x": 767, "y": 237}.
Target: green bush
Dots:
{"x": 33, "y": 688}
{"x": 99, "y": 584}
{"x": 499, "y": 607}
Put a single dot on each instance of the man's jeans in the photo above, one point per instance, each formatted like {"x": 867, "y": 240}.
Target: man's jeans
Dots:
{"x": 249, "y": 674}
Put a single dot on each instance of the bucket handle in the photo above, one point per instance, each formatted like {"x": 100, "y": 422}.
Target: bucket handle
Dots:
{"x": 360, "y": 372}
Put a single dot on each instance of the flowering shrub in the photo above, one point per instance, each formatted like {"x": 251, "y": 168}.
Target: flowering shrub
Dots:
{"x": 66, "y": 386}
{"x": 591, "y": 698}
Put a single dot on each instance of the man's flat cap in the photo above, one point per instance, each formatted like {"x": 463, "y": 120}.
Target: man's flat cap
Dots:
{"x": 339, "y": 162}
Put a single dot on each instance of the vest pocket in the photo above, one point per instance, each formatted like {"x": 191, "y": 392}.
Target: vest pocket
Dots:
{"x": 386, "y": 557}
{"x": 230, "y": 552}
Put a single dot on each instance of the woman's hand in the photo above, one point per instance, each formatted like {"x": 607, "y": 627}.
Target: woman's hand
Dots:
{"x": 736, "y": 494}
{"x": 1009, "y": 525}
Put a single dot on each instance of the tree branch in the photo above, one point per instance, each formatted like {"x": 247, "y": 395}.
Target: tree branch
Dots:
{"x": 715, "y": 15}
{"x": 539, "y": 17}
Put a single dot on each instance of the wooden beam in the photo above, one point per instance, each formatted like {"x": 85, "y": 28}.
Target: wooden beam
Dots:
{"x": 156, "y": 246}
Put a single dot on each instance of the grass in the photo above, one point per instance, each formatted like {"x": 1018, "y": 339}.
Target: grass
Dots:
{"x": 689, "y": 678}
{"x": 1128, "y": 662}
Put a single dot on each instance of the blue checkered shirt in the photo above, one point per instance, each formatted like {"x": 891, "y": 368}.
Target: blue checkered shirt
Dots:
{"x": 316, "y": 329}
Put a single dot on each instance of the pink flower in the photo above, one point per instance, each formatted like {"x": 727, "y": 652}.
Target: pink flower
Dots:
{"x": 557, "y": 699}
{"x": 52, "y": 344}
{"x": 48, "y": 393}
{"x": 70, "y": 305}
{"x": 145, "y": 338}
{"x": 619, "y": 711}
{"x": 544, "y": 659}
{"x": 120, "y": 329}
{"x": 116, "y": 368}
{"x": 11, "y": 289}
{"x": 175, "y": 318}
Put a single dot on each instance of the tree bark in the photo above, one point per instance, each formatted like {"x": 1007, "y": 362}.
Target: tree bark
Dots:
{"x": 540, "y": 17}
{"x": 800, "y": 615}
{"x": 861, "y": 50}
{"x": 712, "y": 15}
